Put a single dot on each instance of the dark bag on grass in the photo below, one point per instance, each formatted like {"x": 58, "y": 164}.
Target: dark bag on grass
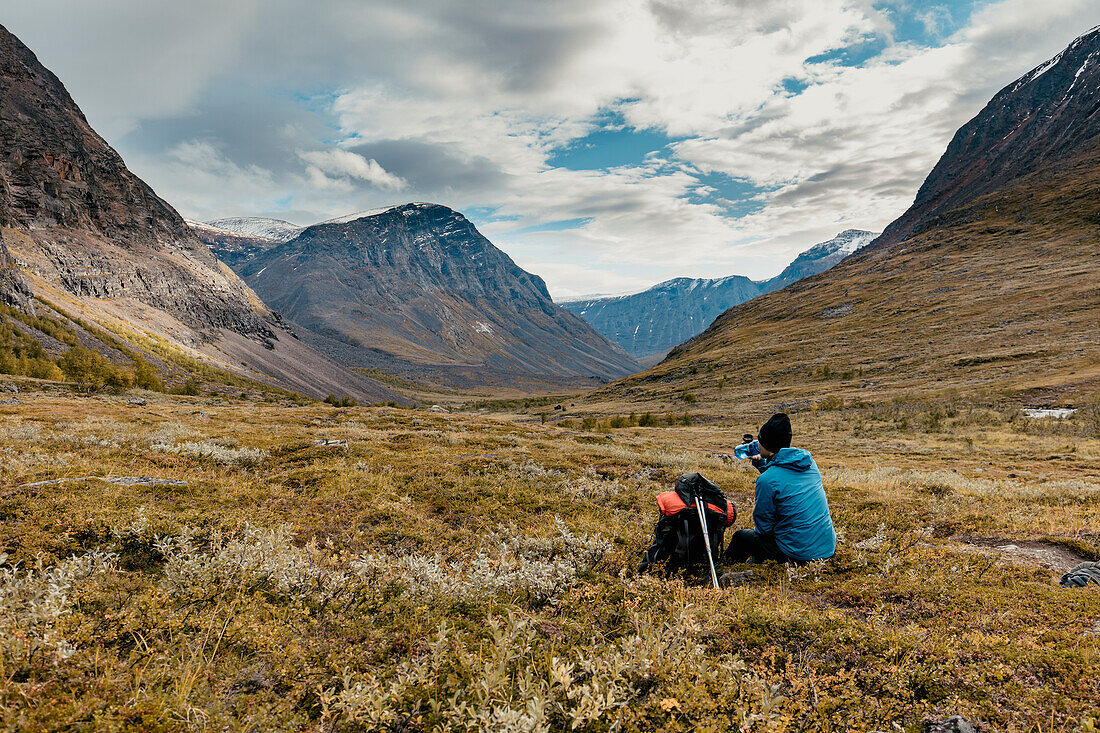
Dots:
{"x": 1087, "y": 573}
{"x": 678, "y": 536}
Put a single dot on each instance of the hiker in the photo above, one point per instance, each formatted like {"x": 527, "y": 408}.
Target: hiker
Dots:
{"x": 678, "y": 536}
{"x": 791, "y": 519}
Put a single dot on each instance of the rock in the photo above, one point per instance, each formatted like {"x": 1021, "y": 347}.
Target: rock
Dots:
{"x": 733, "y": 580}
{"x": 137, "y": 401}
{"x": 11, "y": 401}
{"x": 438, "y": 408}
{"x": 954, "y": 724}
{"x": 13, "y": 289}
{"x": 9, "y": 388}
{"x": 327, "y": 443}
{"x": 1053, "y": 413}
{"x": 253, "y": 680}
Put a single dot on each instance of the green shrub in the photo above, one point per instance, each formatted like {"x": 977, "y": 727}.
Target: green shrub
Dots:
{"x": 90, "y": 370}
{"x": 145, "y": 376}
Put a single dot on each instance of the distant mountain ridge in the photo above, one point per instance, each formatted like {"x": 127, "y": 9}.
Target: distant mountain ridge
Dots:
{"x": 231, "y": 247}
{"x": 653, "y": 321}
{"x": 820, "y": 257}
{"x": 275, "y": 230}
{"x": 417, "y": 287}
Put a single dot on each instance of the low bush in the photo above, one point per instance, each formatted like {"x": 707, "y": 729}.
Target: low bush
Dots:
{"x": 224, "y": 455}
{"x": 90, "y": 370}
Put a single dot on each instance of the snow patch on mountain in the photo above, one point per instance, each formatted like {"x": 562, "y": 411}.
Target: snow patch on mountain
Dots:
{"x": 348, "y": 218}
{"x": 274, "y": 230}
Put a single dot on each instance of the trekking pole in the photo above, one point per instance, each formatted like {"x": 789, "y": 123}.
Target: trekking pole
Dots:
{"x": 706, "y": 539}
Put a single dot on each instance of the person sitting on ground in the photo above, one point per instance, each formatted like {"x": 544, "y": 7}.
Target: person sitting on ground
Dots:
{"x": 791, "y": 518}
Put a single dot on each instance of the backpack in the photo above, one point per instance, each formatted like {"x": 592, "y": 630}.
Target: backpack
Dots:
{"x": 678, "y": 507}
{"x": 1084, "y": 574}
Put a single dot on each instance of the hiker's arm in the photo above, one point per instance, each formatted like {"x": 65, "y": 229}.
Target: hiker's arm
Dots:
{"x": 759, "y": 463}
{"x": 659, "y": 550}
{"x": 763, "y": 514}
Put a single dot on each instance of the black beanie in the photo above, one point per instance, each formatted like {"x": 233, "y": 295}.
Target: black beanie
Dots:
{"x": 776, "y": 433}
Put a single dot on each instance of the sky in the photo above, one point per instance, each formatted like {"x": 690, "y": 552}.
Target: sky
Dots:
{"x": 605, "y": 145}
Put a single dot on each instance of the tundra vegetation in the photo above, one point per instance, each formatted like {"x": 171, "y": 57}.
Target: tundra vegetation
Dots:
{"x": 313, "y": 567}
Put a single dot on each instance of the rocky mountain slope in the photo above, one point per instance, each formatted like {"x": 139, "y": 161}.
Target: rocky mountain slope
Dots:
{"x": 92, "y": 238}
{"x": 1046, "y": 116}
{"x": 13, "y": 290}
{"x": 417, "y": 289}
{"x": 649, "y": 323}
{"x": 996, "y": 295}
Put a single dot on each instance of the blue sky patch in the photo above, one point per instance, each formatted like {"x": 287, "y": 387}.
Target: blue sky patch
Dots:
{"x": 555, "y": 226}
{"x": 611, "y": 145}
{"x": 736, "y": 196}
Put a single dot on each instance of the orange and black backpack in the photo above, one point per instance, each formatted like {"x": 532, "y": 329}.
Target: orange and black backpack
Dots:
{"x": 678, "y": 535}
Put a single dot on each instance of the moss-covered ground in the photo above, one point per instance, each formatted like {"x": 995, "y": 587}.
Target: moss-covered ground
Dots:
{"x": 425, "y": 571}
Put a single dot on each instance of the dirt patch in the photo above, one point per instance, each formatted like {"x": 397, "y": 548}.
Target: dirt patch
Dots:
{"x": 1052, "y": 555}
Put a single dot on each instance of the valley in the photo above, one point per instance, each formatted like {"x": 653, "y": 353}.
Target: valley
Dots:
{"x": 366, "y": 475}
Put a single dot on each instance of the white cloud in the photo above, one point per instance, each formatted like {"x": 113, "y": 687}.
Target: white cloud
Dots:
{"x": 464, "y": 103}
{"x": 344, "y": 164}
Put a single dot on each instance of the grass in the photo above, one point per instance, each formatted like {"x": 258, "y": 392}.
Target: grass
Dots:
{"x": 476, "y": 571}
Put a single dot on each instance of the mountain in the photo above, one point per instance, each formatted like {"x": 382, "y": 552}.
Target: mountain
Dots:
{"x": 649, "y": 323}
{"x": 655, "y": 320}
{"x": 416, "y": 289}
{"x": 274, "y": 230}
{"x": 1045, "y": 117}
{"x": 986, "y": 286}
{"x": 91, "y": 238}
{"x": 820, "y": 257}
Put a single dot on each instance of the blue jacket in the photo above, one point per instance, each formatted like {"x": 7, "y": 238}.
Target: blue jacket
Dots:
{"x": 791, "y": 506}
